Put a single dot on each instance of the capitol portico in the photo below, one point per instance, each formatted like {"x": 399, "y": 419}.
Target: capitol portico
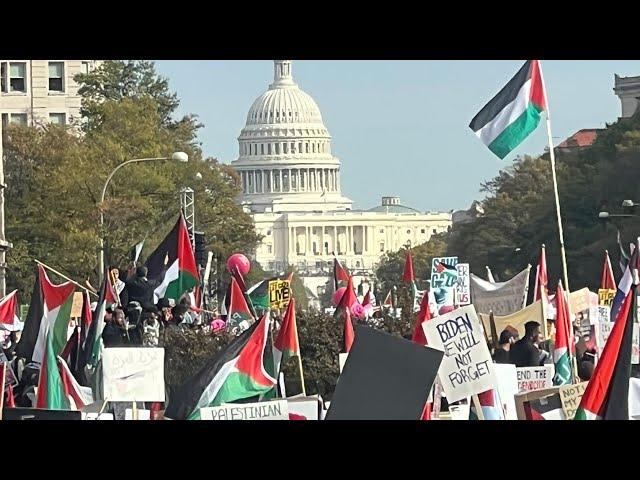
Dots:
{"x": 291, "y": 187}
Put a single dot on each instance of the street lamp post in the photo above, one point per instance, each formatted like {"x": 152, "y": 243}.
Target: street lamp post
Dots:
{"x": 176, "y": 156}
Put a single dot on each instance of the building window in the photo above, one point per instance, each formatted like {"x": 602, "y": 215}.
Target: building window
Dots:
{"x": 408, "y": 231}
{"x": 58, "y": 118}
{"x": 269, "y": 248}
{"x": 307, "y": 147}
{"x": 269, "y": 149}
{"x": 262, "y": 149}
{"x": 285, "y": 148}
{"x": 381, "y": 247}
{"x": 56, "y": 76}
{"x": 423, "y": 230}
{"x": 315, "y": 248}
{"x": 13, "y": 77}
{"x": 277, "y": 149}
{"x": 84, "y": 68}
{"x": 19, "y": 118}
{"x": 300, "y": 147}
{"x": 268, "y": 232}
{"x": 435, "y": 231}
{"x": 326, "y": 248}
{"x": 382, "y": 230}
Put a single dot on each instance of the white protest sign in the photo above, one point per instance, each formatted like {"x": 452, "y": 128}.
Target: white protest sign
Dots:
{"x": 133, "y": 374}
{"x": 142, "y": 414}
{"x": 534, "y": 378}
{"x": 604, "y": 314}
{"x": 97, "y": 416}
{"x": 463, "y": 288}
{"x": 570, "y": 396}
{"x": 304, "y": 408}
{"x": 460, "y": 411}
{"x": 507, "y": 379}
{"x": 466, "y": 368}
{"x": 342, "y": 358}
{"x": 503, "y": 298}
{"x": 276, "y": 410}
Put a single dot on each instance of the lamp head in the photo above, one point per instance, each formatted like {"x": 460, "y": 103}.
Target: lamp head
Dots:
{"x": 180, "y": 157}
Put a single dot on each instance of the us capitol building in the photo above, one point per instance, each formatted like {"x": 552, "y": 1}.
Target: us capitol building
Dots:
{"x": 291, "y": 187}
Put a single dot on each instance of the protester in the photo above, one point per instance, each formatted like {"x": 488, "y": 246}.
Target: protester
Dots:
{"x": 525, "y": 352}
{"x": 501, "y": 355}
{"x": 178, "y": 313}
{"x": 118, "y": 285}
{"x": 164, "y": 309}
{"x": 140, "y": 288}
{"x": 150, "y": 329}
{"x": 585, "y": 370}
{"x": 115, "y": 333}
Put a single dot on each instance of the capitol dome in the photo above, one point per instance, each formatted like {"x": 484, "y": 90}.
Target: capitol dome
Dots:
{"x": 285, "y": 161}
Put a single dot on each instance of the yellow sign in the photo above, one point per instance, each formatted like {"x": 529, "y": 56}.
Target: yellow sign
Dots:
{"x": 605, "y": 296}
{"x": 76, "y": 306}
{"x": 570, "y": 397}
{"x": 279, "y": 293}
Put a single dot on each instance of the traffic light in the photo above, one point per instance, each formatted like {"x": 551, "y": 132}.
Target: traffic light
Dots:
{"x": 201, "y": 255}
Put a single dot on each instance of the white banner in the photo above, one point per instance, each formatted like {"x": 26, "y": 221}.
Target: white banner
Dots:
{"x": 507, "y": 380}
{"x": 303, "y": 408}
{"x": 534, "y": 378}
{"x": 133, "y": 374}
{"x": 466, "y": 368}
{"x": 502, "y": 298}
{"x": 276, "y": 410}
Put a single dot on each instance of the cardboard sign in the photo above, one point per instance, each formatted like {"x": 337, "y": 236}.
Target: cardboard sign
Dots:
{"x": 507, "y": 379}
{"x": 279, "y": 293}
{"x": 467, "y": 367}
{"x": 342, "y": 359}
{"x": 385, "y": 378}
{"x": 516, "y": 320}
{"x": 534, "y": 378}
{"x": 463, "y": 287}
{"x": 570, "y": 396}
{"x": 276, "y": 410}
{"x": 76, "y": 306}
{"x": 606, "y": 296}
{"x": 539, "y": 405}
{"x": 443, "y": 272}
{"x": 133, "y": 374}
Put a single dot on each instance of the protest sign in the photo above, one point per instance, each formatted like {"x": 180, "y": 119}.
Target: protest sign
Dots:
{"x": 141, "y": 413}
{"x": 542, "y": 404}
{"x": 570, "y": 396}
{"x": 40, "y": 414}
{"x": 606, "y": 296}
{"x": 279, "y": 293}
{"x": 534, "y": 378}
{"x": 460, "y": 411}
{"x": 463, "y": 289}
{"x": 304, "y": 408}
{"x": 133, "y": 374}
{"x": 342, "y": 358}
{"x": 97, "y": 416}
{"x": 507, "y": 380}
{"x": 76, "y": 306}
{"x": 444, "y": 278}
{"x": 276, "y": 410}
{"x": 604, "y": 314}
{"x": 581, "y": 300}
{"x": 503, "y": 298}
{"x": 467, "y": 367}
{"x": 385, "y": 378}
{"x": 516, "y": 320}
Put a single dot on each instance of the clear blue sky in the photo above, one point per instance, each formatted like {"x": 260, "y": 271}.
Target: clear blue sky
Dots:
{"x": 399, "y": 127}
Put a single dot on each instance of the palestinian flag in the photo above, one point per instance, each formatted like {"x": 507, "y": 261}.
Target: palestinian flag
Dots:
{"x": 540, "y": 291}
{"x": 77, "y": 396}
{"x": 134, "y": 252}
{"x": 3, "y": 376}
{"x": 259, "y": 293}
{"x": 91, "y": 348}
{"x": 490, "y": 405}
{"x": 545, "y": 408}
{"x": 340, "y": 274}
{"x": 561, "y": 354}
{"x": 51, "y": 393}
{"x": 9, "y": 313}
{"x": 180, "y": 272}
{"x": 624, "y": 256}
{"x": 514, "y": 112}
{"x": 607, "y": 394}
{"x": 607, "y": 281}
{"x": 348, "y": 299}
{"x": 235, "y": 373}
{"x": 49, "y": 311}
{"x": 407, "y": 274}
{"x": 286, "y": 344}
{"x": 348, "y": 334}
{"x": 239, "y": 314}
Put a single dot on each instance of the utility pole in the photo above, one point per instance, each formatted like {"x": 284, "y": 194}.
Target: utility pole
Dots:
{"x": 4, "y": 245}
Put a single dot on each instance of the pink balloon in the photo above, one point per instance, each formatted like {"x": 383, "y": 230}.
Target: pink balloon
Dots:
{"x": 357, "y": 310}
{"x": 446, "y": 309}
{"x": 239, "y": 261}
{"x": 337, "y": 296}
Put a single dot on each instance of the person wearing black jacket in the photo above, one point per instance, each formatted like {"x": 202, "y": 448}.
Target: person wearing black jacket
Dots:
{"x": 501, "y": 354}
{"x": 140, "y": 288}
{"x": 115, "y": 333}
{"x": 525, "y": 353}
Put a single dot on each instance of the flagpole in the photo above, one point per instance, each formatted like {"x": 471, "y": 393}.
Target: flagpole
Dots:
{"x": 557, "y": 199}
{"x": 65, "y": 277}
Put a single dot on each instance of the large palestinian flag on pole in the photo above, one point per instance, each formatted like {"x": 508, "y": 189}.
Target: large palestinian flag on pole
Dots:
{"x": 9, "y": 313}
{"x": 49, "y": 312}
{"x": 235, "y": 373}
{"x": 607, "y": 394}
{"x": 514, "y": 112}
{"x": 175, "y": 262}
{"x": 239, "y": 314}
{"x": 340, "y": 274}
